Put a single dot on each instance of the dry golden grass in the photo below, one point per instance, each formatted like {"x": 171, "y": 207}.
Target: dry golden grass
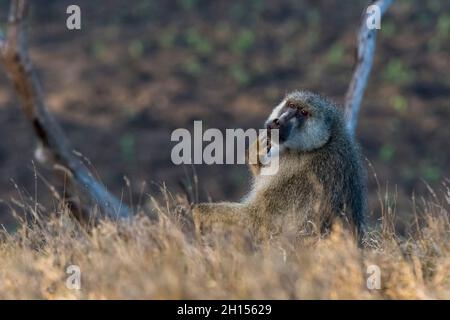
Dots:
{"x": 162, "y": 258}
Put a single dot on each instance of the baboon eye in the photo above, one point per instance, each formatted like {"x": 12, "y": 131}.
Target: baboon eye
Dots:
{"x": 304, "y": 112}
{"x": 291, "y": 105}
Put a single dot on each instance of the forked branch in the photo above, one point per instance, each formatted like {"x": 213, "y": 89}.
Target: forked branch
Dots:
{"x": 20, "y": 70}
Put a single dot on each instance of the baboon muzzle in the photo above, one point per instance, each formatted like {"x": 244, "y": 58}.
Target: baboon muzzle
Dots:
{"x": 280, "y": 124}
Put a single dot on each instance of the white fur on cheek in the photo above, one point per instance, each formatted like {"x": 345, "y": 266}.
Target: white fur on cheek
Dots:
{"x": 276, "y": 111}
{"x": 313, "y": 135}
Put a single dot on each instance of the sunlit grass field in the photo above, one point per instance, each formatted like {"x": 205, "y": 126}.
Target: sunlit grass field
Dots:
{"x": 160, "y": 256}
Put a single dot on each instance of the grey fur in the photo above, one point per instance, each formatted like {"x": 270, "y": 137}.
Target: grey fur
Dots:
{"x": 320, "y": 176}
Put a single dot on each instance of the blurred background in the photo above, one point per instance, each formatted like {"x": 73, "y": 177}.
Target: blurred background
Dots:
{"x": 138, "y": 70}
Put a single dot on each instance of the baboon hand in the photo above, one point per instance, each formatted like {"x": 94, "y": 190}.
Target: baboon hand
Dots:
{"x": 256, "y": 152}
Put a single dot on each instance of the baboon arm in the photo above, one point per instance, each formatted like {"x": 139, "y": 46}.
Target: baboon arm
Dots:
{"x": 256, "y": 151}
{"x": 231, "y": 213}
{"x": 255, "y": 168}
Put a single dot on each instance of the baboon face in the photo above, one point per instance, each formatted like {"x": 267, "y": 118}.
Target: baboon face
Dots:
{"x": 304, "y": 121}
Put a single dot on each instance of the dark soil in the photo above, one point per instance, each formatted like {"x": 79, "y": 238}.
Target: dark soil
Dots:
{"x": 138, "y": 70}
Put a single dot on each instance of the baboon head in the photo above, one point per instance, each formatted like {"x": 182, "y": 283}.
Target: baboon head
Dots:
{"x": 305, "y": 121}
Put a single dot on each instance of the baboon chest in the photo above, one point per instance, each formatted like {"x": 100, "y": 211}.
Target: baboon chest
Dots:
{"x": 290, "y": 192}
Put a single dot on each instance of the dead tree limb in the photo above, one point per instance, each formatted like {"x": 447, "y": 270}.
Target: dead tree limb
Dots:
{"x": 20, "y": 70}
{"x": 364, "y": 61}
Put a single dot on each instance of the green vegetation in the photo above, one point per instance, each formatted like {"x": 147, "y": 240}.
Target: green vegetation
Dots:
{"x": 127, "y": 147}
{"x": 388, "y": 29}
{"x": 136, "y": 48}
{"x": 443, "y": 26}
{"x": 243, "y": 41}
{"x": 192, "y": 66}
{"x": 386, "y": 152}
{"x": 288, "y": 53}
{"x": 335, "y": 54}
{"x": 167, "y": 39}
{"x": 399, "y": 103}
{"x": 397, "y": 73}
{"x": 240, "y": 74}
{"x": 198, "y": 43}
{"x": 442, "y": 33}
{"x": 431, "y": 173}
{"x": 188, "y": 5}
{"x": 247, "y": 11}
{"x": 312, "y": 38}
{"x": 99, "y": 50}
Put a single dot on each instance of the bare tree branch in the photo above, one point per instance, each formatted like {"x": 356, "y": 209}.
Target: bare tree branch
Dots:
{"x": 364, "y": 61}
{"x": 20, "y": 70}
